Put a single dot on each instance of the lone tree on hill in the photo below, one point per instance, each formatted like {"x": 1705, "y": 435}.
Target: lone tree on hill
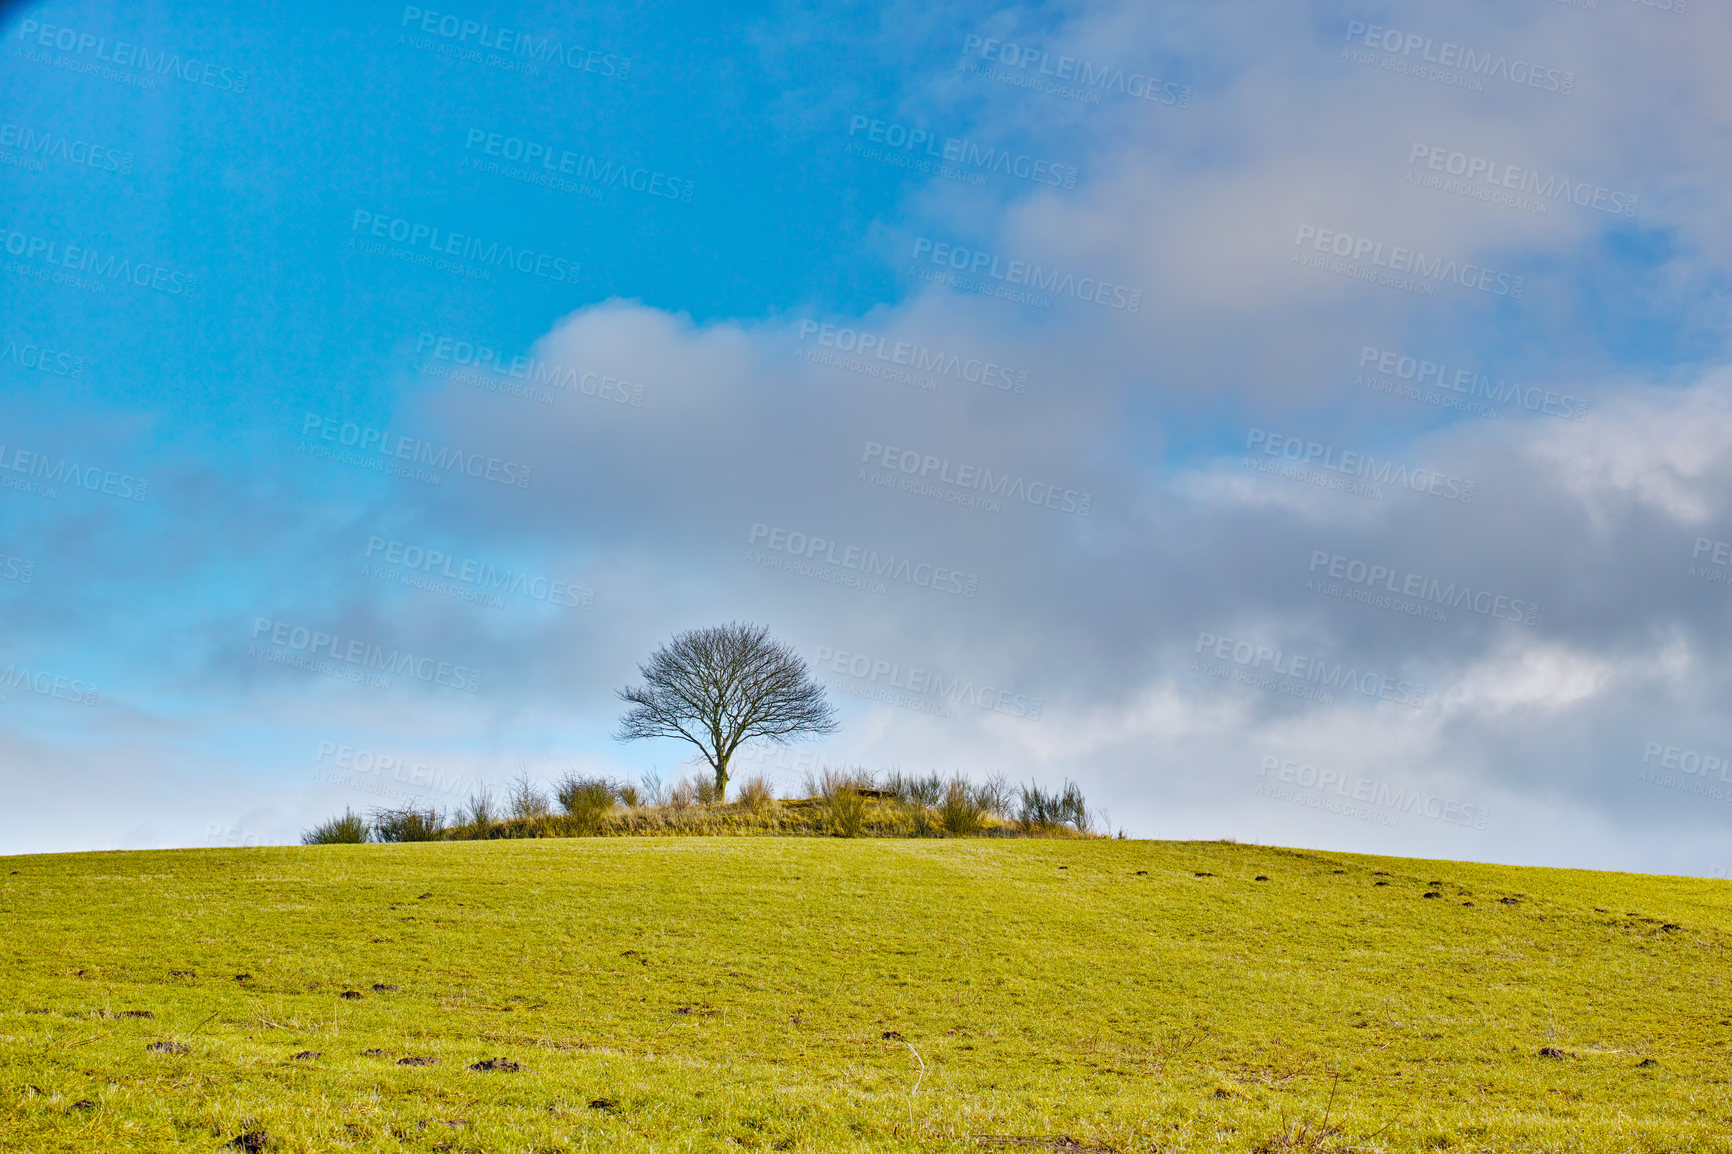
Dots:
{"x": 721, "y": 687}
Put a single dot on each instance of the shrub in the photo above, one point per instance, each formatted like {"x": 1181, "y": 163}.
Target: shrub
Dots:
{"x": 996, "y": 795}
{"x": 350, "y": 829}
{"x": 526, "y": 800}
{"x": 481, "y": 812}
{"x": 1042, "y": 809}
{"x": 585, "y": 799}
{"x": 683, "y": 795}
{"x": 830, "y": 781}
{"x": 705, "y": 787}
{"x": 627, "y": 793}
{"x": 653, "y": 790}
{"x": 408, "y": 824}
{"x": 847, "y": 811}
{"x": 913, "y": 790}
{"x": 963, "y": 810}
{"x": 755, "y": 794}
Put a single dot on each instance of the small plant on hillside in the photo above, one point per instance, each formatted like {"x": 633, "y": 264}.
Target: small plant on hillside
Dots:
{"x": 350, "y": 829}
{"x": 997, "y": 795}
{"x": 755, "y": 794}
{"x": 627, "y": 793}
{"x": 654, "y": 792}
{"x": 585, "y": 799}
{"x": 830, "y": 781}
{"x": 683, "y": 795}
{"x": 481, "y": 810}
{"x": 526, "y": 799}
{"x": 963, "y": 811}
{"x": 706, "y": 790}
{"x": 1040, "y": 809}
{"x": 847, "y": 812}
{"x": 408, "y": 823}
{"x": 911, "y": 789}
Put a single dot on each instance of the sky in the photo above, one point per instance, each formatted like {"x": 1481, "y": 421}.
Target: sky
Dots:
{"x": 1306, "y": 424}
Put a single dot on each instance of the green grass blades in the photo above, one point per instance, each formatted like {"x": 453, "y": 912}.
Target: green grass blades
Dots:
{"x": 824, "y": 994}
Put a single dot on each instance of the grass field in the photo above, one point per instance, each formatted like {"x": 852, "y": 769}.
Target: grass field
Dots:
{"x": 833, "y": 994}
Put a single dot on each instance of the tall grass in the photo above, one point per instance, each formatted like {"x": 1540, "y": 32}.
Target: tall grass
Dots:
{"x": 847, "y": 811}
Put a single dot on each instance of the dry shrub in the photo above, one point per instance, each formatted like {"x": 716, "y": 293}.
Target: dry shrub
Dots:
{"x": 847, "y": 811}
{"x": 755, "y": 793}
{"x": 963, "y": 810}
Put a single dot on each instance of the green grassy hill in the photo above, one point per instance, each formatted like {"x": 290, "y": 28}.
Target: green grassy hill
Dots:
{"x": 829, "y": 994}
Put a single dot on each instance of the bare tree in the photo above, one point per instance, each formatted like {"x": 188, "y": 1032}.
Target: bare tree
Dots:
{"x": 721, "y": 687}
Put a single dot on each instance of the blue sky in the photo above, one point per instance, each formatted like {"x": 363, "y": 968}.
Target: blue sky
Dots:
{"x": 1283, "y": 296}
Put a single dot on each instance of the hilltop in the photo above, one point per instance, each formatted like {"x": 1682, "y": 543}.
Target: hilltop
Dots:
{"x": 855, "y": 994}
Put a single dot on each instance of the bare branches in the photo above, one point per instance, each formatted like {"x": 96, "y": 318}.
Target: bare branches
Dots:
{"x": 721, "y": 687}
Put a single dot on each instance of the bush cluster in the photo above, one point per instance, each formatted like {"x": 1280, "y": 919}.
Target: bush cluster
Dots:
{"x": 842, "y": 802}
